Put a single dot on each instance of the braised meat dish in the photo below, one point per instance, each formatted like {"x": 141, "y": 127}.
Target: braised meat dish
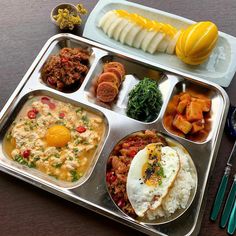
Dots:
{"x": 66, "y": 70}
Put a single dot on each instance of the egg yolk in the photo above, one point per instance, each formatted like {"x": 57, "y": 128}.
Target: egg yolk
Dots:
{"x": 57, "y": 136}
{"x": 152, "y": 171}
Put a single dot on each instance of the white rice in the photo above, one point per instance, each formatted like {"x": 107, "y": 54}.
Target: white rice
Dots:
{"x": 178, "y": 196}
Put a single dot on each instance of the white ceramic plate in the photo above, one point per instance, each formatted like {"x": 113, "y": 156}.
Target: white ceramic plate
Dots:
{"x": 219, "y": 68}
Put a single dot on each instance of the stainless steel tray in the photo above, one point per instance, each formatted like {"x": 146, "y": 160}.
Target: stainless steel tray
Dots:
{"x": 92, "y": 193}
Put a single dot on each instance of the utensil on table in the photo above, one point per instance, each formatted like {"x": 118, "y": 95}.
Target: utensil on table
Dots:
{"x": 232, "y": 220}
{"x": 231, "y": 129}
{"x": 229, "y": 204}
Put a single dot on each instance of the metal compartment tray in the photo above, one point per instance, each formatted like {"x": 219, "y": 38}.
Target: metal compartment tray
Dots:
{"x": 92, "y": 193}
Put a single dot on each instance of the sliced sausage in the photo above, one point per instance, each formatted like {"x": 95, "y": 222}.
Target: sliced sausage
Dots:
{"x": 109, "y": 77}
{"x": 116, "y": 65}
{"x": 116, "y": 72}
{"x": 106, "y": 91}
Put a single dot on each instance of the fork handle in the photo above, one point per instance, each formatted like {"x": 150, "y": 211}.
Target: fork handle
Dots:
{"x": 220, "y": 194}
{"x": 229, "y": 205}
{"x": 232, "y": 220}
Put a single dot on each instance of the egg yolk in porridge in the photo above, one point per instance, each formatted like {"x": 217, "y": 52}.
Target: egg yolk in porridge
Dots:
{"x": 57, "y": 136}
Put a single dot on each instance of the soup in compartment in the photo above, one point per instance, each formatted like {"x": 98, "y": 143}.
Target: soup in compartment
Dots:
{"x": 55, "y": 137}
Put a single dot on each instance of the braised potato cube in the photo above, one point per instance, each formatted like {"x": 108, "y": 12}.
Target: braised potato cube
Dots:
{"x": 205, "y": 103}
{"x": 182, "y": 124}
{"x": 194, "y": 111}
{"x": 197, "y": 126}
{"x": 168, "y": 120}
{"x": 171, "y": 108}
{"x": 185, "y": 96}
{"x": 182, "y": 105}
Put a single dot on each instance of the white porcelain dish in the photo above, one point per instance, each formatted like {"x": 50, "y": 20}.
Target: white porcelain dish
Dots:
{"x": 219, "y": 68}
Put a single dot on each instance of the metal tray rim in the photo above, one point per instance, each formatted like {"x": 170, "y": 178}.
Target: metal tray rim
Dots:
{"x": 84, "y": 203}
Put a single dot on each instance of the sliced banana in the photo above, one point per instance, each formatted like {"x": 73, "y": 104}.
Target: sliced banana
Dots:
{"x": 147, "y": 39}
{"x": 139, "y": 38}
{"x": 171, "y": 47}
{"x": 129, "y": 40}
{"x": 152, "y": 47}
{"x": 119, "y": 28}
{"x": 125, "y": 31}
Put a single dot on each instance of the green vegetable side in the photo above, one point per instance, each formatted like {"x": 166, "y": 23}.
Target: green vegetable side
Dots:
{"x": 145, "y": 101}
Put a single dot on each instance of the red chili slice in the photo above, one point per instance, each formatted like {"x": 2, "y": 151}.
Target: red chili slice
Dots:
{"x": 26, "y": 153}
{"x": 52, "y": 105}
{"x": 110, "y": 177}
{"x": 81, "y": 129}
{"x": 51, "y": 81}
{"x": 64, "y": 60}
{"x": 35, "y": 111}
{"x": 45, "y": 100}
{"x": 61, "y": 115}
{"x": 121, "y": 203}
{"x": 132, "y": 153}
{"x": 31, "y": 114}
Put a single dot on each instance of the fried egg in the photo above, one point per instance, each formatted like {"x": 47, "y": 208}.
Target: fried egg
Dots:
{"x": 152, "y": 173}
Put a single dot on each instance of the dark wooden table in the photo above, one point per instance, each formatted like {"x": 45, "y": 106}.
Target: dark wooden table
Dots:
{"x": 26, "y": 210}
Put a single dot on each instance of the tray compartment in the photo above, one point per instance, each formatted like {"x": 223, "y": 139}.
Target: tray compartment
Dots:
{"x": 211, "y": 118}
{"x": 55, "y": 48}
{"x": 24, "y": 105}
{"x": 112, "y": 172}
{"x": 135, "y": 72}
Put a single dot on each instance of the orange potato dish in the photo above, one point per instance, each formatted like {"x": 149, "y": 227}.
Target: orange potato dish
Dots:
{"x": 188, "y": 115}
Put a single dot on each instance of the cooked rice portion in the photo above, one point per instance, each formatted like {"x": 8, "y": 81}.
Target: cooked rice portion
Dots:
{"x": 179, "y": 194}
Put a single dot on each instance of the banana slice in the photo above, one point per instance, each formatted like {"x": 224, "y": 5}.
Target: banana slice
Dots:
{"x": 109, "y": 22}
{"x": 113, "y": 26}
{"x": 139, "y": 38}
{"x": 125, "y": 31}
{"x": 119, "y": 28}
{"x": 104, "y": 19}
{"x": 147, "y": 39}
{"x": 152, "y": 47}
{"x": 171, "y": 47}
{"x": 129, "y": 40}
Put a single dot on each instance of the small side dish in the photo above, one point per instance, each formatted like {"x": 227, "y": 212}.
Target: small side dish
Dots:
{"x": 145, "y": 101}
{"x": 149, "y": 177}
{"x": 54, "y": 137}
{"x": 108, "y": 83}
{"x": 188, "y": 115}
{"x": 66, "y": 70}
{"x": 67, "y": 16}
{"x": 194, "y": 44}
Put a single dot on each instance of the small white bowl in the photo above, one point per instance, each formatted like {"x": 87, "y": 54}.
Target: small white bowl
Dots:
{"x": 72, "y": 8}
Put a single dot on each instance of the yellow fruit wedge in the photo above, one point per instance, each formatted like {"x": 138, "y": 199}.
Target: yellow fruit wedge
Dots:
{"x": 196, "y": 43}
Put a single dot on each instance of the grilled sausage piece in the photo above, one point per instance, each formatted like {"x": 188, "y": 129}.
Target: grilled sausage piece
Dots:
{"x": 116, "y": 72}
{"x": 107, "y": 91}
{"x": 116, "y": 65}
{"x": 109, "y": 77}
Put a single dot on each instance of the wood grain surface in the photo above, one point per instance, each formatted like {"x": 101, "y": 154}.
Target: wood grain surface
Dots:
{"x": 26, "y": 210}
